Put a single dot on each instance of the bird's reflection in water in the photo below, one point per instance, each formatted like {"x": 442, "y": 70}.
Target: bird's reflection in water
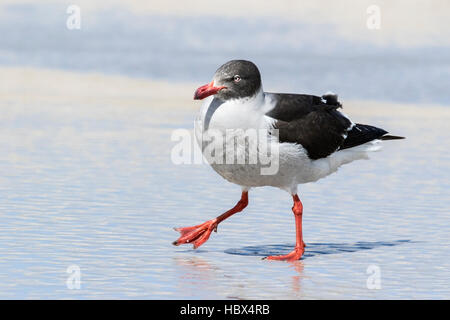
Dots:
{"x": 199, "y": 275}
{"x": 298, "y": 266}
{"x": 197, "y": 278}
{"x": 312, "y": 249}
{"x": 196, "y": 268}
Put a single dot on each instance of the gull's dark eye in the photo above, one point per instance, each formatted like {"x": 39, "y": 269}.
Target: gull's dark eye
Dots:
{"x": 237, "y": 78}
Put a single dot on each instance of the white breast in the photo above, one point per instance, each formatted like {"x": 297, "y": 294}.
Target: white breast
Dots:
{"x": 294, "y": 166}
{"x": 228, "y": 118}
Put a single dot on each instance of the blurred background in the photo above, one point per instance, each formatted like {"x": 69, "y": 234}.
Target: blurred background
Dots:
{"x": 299, "y": 45}
{"x": 89, "y": 194}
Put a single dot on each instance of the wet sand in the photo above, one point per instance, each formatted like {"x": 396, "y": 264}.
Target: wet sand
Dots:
{"x": 86, "y": 179}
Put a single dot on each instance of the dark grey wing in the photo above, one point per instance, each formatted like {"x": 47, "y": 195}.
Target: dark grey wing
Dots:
{"x": 311, "y": 121}
{"x": 321, "y": 132}
{"x": 316, "y": 124}
{"x": 293, "y": 106}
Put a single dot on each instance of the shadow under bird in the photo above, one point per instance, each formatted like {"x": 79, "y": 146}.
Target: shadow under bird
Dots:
{"x": 311, "y": 137}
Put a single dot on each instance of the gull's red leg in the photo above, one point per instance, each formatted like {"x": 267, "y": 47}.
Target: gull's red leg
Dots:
{"x": 297, "y": 253}
{"x": 199, "y": 234}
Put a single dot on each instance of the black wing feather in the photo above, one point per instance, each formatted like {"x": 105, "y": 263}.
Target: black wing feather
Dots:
{"x": 293, "y": 106}
{"x": 360, "y": 134}
{"x": 316, "y": 124}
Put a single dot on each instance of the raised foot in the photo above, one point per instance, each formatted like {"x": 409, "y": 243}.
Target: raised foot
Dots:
{"x": 197, "y": 235}
{"x": 294, "y": 255}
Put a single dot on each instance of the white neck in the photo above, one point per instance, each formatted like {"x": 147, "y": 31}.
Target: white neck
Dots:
{"x": 241, "y": 113}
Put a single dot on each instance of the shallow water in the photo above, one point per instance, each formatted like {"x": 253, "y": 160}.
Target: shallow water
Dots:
{"x": 91, "y": 185}
{"x": 94, "y": 187}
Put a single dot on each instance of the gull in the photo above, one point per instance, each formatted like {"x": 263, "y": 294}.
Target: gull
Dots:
{"x": 308, "y": 136}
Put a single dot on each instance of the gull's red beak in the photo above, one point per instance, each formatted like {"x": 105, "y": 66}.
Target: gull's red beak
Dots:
{"x": 207, "y": 90}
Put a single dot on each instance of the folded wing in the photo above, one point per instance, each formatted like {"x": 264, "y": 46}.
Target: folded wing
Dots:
{"x": 316, "y": 124}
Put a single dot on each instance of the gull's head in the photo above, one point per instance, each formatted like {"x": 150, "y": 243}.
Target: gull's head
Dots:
{"x": 233, "y": 80}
